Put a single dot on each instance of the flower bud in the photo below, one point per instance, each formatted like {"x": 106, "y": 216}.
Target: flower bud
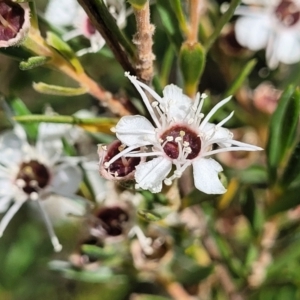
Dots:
{"x": 122, "y": 168}
{"x": 192, "y": 61}
{"x": 14, "y": 23}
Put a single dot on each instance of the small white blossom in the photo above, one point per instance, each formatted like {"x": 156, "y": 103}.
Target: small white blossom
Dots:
{"x": 70, "y": 13}
{"x": 273, "y": 25}
{"x": 40, "y": 174}
{"x": 182, "y": 136}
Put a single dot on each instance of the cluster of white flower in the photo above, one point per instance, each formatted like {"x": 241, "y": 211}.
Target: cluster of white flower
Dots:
{"x": 70, "y": 13}
{"x": 39, "y": 174}
{"x": 273, "y": 25}
{"x": 182, "y": 136}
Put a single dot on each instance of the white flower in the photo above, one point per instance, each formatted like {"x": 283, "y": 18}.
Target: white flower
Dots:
{"x": 181, "y": 137}
{"x": 273, "y": 25}
{"x": 37, "y": 173}
{"x": 70, "y": 13}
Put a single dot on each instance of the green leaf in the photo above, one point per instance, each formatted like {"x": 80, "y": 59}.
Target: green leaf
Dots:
{"x": 254, "y": 175}
{"x": 6, "y": 121}
{"x": 222, "y": 21}
{"x": 177, "y": 8}
{"x": 21, "y": 109}
{"x": 282, "y": 130}
{"x": 149, "y": 215}
{"x": 170, "y": 22}
{"x": 50, "y": 89}
{"x": 248, "y": 207}
{"x": 98, "y": 252}
{"x": 33, "y": 62}
{"x": 187, "y": 271}
{"x": 288, "y": 200}
{"x": 286, "y": 257}
{"x": 243, "y": 75}
{"x": 65, "y": 50}
{"x": 292, "y": 169}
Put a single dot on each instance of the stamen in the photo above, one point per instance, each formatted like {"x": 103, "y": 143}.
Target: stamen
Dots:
{"x": 225, "y": 120}
{"x": 138, "y": 86}
{"x": 55, "y": 242}
{"x": 144, "y": 241}
{"x": 214, "y": 109}
{"x": 167, "y": 182}
{"x": 10, "y": 214}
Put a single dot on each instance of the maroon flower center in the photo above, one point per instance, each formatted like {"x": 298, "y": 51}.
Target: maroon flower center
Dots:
{"x": 178, "y": 139}
{"x": 112, "y": 220}
{"x": 287, "y": 13}
{"x": 11, "y": 19}
{"x": 122, "y": 166}
{"x": 34, "y": 175}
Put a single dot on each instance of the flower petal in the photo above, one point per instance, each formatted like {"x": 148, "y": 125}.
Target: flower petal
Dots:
{"x": 61, "y": 209}
{"x": 135, "y": 130}
{"x": 219, "y": 134}
{"x": 4, "y": 202}
{"x": 287, "y": 47}
{"x": 66, "y": 179}
{"x": 176, "y": 103}
{"x": 253, "y": 32}
{"x": 206, "y": 176}
{"x": 150, "y": 175}
{"x": 61, "y": 13}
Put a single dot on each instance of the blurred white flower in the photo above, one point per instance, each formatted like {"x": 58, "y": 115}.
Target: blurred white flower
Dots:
{"x": 40, "y": 174}
{"x": 70, "y": 13}
{"x": 182, "y": 136}
{"x": 273, "y": 25}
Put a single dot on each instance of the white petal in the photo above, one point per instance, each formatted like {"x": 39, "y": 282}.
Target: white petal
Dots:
{"x": 11, "y": 149}
{"x": 95, "y": 180}
{"x": 5, "y": 202}
{"x": 151, "y": 174}
{"x": 206, "y": 176}
{"x": 66, "y": 180}
{"x": 132, "y": 130}
{"x": 176, "y": 103}
{"x": 253, "y": 33}
{"x": 61, "y": 13}
{"x": 61, "y": 209}
{"x": 287, "y": 47}
{"x": 220, "y": 133}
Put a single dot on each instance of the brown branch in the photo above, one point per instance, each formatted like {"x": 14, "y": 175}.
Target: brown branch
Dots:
{"x": 143, "y": 40}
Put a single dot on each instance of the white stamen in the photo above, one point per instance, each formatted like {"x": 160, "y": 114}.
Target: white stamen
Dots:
{"x": 214, "y": 109}
{"x": 10, "y": 214}
{"x": 225, "y": 120}
{"x": 144, "y": 241}
{"x": 55, "y": 242}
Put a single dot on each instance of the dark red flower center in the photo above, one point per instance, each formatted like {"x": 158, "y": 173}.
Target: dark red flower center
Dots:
{"x": 112, "y": 220}
{"x": 122, "y": 166}
{"x": 287, "y": 13}
{"x": 179, "y": 139}
{"x": 11, "y": 19}
{"x": 34, "y": 175}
